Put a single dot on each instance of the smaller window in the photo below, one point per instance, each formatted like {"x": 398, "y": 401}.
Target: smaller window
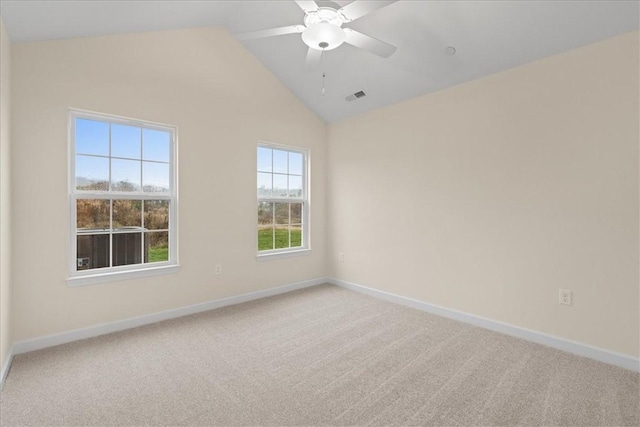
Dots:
{"x": 282, "y": 199}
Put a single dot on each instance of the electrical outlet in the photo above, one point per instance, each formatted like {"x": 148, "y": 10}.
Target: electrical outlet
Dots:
{"x": 565, "y": 297}
{"x": 218, "y": 269}
{"x": 341, "y": 257}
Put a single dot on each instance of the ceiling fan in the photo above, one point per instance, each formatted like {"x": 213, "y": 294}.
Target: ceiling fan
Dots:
{"x": 322, "y": 29}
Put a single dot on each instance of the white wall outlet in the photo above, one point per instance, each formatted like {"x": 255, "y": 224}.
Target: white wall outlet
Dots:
{"x": 218, "y": 269}
{"x": 341, "y": 257}
{"x": 565, "y": 297}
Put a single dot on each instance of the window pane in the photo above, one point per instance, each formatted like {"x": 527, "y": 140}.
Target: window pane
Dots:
{"x": 92, "y": 137}
{"x": 295, "y": 163}
{"x": 92, "y": 173}
{"x": 125, "y": 141}
{"x": 156, "y": 214}
{"x": 295, "y": 186}
{"x": 127, "y": 213}
{"x": 296, "y": 213}
{"x": 280, "y": 176}
{"x": 155, "y": 178}
{"x": 296, "y": 236}
{"x": 112, "y": 156}
{"x": 265, "y": 237}
{"x": 264, "y": 159}
{"x": 264, "y": 184}
{"x": 282, "y": 237}
{"x": 280, "y": 161}
{"x": 92, "y": 214}
{"x": 125, "y": 175}
{"x": 155, "y": 145}
{"x": 127, "y": 248}
{"x": 156, "y": 246}
{"x": 282, "y": 213}
{"x": 265, "y": 213}
{"x": 92, "y": 251}
{"x": 279, "y": 185}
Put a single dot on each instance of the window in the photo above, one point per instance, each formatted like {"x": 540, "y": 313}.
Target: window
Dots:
{"x": 122, "y": 194}
{"x": 282, "y": 200}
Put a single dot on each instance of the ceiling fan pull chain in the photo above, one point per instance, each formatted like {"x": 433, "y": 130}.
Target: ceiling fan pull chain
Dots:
{"x": 323, "y": 73}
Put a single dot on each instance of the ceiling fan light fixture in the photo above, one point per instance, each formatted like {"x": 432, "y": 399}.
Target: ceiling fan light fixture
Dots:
{"x": 323, "y": 36}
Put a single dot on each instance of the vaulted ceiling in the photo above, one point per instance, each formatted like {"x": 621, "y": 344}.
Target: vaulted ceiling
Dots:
{"x": 488, "y": 37}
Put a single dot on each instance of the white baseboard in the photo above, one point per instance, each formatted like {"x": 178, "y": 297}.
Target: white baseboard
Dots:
{"x": 580, "y": 349}
{"x": 120, "y": 325}
{"x": 4, "y": 370}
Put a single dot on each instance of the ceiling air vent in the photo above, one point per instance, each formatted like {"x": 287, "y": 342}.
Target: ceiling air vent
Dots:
{"x": 357, "y": 95}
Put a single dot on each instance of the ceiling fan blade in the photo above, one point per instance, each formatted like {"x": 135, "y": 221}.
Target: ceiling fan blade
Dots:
{"x": 358, "y": 9}
{"x": 307, "y": 5}
{"x": 368, "y": 43}
{"x": 313, "y": 58}
{"x": 280, "y": 31}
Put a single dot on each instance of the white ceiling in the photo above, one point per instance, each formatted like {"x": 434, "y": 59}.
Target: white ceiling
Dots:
{"x": 489, "y": 36}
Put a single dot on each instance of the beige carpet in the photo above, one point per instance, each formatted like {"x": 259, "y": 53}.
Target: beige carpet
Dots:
{"x": 319, "y": 356}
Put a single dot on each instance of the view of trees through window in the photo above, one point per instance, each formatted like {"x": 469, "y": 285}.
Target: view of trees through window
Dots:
{"x": 279, "y": 225}
{"x": 140, "y": 229}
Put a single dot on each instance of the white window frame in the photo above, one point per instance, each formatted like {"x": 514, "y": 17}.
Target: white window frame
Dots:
{"x": 117, "y": 273}
{"x": 305, "y": 200}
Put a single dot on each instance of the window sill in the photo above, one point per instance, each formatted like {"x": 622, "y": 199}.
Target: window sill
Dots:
{"x": 116, "y": 276}
{"x": 284, "y": 254}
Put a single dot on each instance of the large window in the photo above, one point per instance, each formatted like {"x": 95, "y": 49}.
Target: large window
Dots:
{"x": 282, "y": 199}
{"x": 122, "y": 194}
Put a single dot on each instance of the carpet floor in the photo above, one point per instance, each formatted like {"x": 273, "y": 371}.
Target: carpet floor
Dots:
{"x": 318, "y": 356}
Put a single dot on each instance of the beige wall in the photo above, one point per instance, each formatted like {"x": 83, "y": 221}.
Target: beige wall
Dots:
{"x": 222, "y": 100}
{"x": 5, "y": 198}
{"x": 490, "y": 196}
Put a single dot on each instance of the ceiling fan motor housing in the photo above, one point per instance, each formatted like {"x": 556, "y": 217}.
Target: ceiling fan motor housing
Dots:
{"x": 323, "y": 30}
